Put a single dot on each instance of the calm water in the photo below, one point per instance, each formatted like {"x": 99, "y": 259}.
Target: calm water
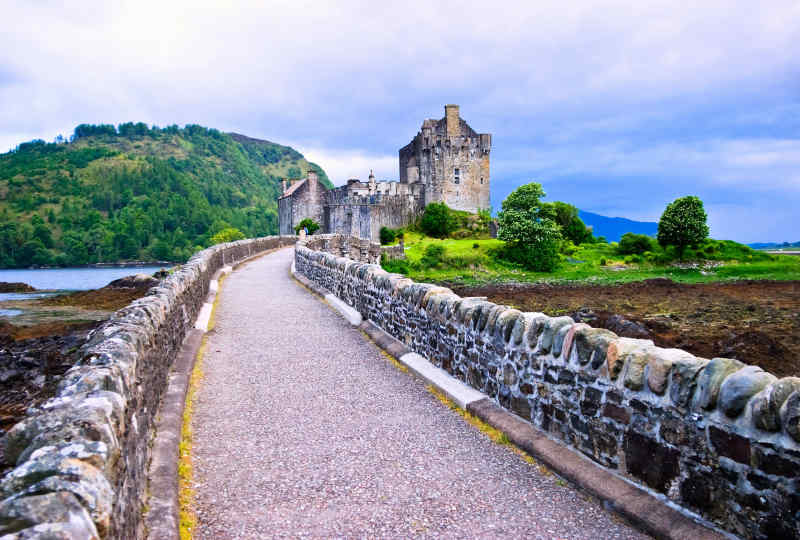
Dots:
{"x": 64, "y": 279}
{"x": 71, "y": 279}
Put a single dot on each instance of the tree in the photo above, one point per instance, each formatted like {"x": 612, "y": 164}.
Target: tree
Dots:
{"x": 634, "y": 244}
{"x": 309, "y": 224}
{"x": 230, "y": 234}
{"x": 572, "y": 227}
{"x": 529, "y": 230}
{"x": 683, "y": 224}
{"x": 438, "y": 220}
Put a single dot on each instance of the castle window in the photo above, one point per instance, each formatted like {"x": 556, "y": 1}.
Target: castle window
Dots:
{"x": 457, "y": 175}
{"x": 481, "y": 179}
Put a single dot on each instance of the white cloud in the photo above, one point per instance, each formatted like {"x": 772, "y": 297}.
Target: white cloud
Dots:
{"x": 610, "y": 88}
{"x": 343, "y": 165}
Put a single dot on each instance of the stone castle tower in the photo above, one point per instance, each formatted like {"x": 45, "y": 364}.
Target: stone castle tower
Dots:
{"x": 447, "y": 161}
{"x": 451, "y": 161}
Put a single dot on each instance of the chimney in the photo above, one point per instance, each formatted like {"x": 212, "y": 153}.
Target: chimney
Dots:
{"x": 312, "y": 177}
{"x": 451, "y": 118}
{"x": 283, "y": 183}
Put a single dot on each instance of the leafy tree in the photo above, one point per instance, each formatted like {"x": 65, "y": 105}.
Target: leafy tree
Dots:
{"x": 230, "y": 234}
{"x": 683, "y": 224}
{"x": 634, "y": 244}
{"x": 572, "y": 227}
{"x": 387, "y": 235}
{"x": 309, "y": 224}
{"x": 529, "y": 230}
{"x": 438, "y": 220}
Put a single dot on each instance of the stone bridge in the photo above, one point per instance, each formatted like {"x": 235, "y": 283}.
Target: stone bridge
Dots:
{"x": 308, "y": 423}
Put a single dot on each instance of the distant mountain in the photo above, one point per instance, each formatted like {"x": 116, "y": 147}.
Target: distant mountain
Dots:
{"x": 614, "y": 227}
{"x": 774, "y": 245}
{"x": 134, "y": 192}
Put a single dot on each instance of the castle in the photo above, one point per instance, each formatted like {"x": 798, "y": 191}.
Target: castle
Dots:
{"x": 447, "y": 161}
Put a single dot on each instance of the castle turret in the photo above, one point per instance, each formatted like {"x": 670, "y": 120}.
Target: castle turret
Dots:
{"x": 452, "y": 120}
{"x": 451, "y": 161}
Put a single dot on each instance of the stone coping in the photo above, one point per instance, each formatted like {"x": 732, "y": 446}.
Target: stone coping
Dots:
{"x": 81, "y": 457}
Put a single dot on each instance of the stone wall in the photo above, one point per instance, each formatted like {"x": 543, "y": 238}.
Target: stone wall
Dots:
{"x": 81, "y": 458}
{"x": 716, "y": 437}
{"x": 353, "y": 247}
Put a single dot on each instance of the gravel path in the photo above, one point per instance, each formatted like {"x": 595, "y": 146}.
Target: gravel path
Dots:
{"x": 304, "y": 429}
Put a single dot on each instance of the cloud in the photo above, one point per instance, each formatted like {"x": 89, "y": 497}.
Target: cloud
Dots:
{"x": 703, "y": 96}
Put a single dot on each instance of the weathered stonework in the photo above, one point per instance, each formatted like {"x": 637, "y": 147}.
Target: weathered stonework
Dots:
{"x": 81, "y": 458}
{"x": 447, "y": 161}
{"x": 715, "y": 437}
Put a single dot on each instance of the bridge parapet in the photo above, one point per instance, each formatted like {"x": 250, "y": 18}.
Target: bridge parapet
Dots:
{"x": 81, "y": 458}
{"x": 717, "y": 437}
{"x": 353, "y": 247}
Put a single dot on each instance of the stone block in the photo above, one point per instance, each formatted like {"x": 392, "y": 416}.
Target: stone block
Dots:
{"x": 650, "y": 461}
{"x": 710, "y": 380}
{"x": 551, "y": 328}
{"x": 772, "y": 463}
{"x": 737, "y": 389}
{"x": 50, "y": 515}
{"x": 659, "y": 367}
{"x": 683, "y": 379}
{"x": 790, "y": 415}
{"x": 729, "y": 444}
{"x": 767, "y": 403}
{"x": 615, "y": 412}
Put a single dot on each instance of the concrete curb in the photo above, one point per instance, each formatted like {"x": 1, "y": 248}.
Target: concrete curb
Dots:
{"x": 642, "y": 509}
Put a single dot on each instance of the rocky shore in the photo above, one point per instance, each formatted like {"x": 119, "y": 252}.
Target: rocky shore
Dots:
{"x": 33, "y": 358}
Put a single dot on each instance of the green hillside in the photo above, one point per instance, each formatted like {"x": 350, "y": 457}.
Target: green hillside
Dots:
{"x": 137, "y": 193}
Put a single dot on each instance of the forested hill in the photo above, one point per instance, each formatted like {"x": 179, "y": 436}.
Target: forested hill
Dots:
{"x": 137, "y": 193}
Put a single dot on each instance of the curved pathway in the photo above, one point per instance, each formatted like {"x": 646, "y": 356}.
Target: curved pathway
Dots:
{"x": 303, "y": 428}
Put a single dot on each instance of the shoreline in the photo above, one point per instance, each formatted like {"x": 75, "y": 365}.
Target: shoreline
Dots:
{"x": 132, "y": 264}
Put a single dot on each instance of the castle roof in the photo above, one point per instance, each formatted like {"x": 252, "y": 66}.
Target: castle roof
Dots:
{"x": 293, "y": 188}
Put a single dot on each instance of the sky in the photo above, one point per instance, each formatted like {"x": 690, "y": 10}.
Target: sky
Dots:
{"x": 615, "y": 107}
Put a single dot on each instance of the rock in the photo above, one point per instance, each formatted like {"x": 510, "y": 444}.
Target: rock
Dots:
{"x": 51, "y": 515}
{"x": 15, "y": 287}
{"x": 738, "y": 388}
{"x": 710, "y": 380}
{"x": 767, "y": 403}
{"x": 551, "y": 328}
{"x": 659, "y": 367}
{"x": 136, "y": 281}
{"x": 637, "y": 360}
{"x": 618, "y": 351}
{"x": 790, "y": 415}
{"x": 627, "y": 328}
{"x": 590, "y": 344}
{"x": 684, "y": 379}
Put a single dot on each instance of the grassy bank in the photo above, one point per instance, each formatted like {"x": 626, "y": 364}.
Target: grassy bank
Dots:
{"x": 472, "y": 261}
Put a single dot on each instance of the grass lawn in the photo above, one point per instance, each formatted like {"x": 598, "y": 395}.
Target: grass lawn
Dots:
{"x": 473, "y": 261}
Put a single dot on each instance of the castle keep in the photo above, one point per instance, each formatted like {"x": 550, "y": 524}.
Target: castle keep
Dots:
{"x": 447, "y": 161}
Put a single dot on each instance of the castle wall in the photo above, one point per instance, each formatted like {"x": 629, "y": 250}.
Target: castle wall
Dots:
{"x": 304, "y": 202}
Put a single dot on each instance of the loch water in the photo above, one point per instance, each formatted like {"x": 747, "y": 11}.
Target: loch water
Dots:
{"x": 64, "y": 279}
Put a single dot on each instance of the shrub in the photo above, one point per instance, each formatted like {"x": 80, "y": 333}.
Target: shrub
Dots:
{"x": 476, "y": 245}
{"x": 395, "y": 266}
{"x": 603, "y": 261}
{"x": 308, "y": 223}
{"x": 634, "y": 244}
{"x": 438, "y": 220}
{"x": 387, "y": 235}
{"x": 229, "y": 234}
{"x": 432, "y": 256}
